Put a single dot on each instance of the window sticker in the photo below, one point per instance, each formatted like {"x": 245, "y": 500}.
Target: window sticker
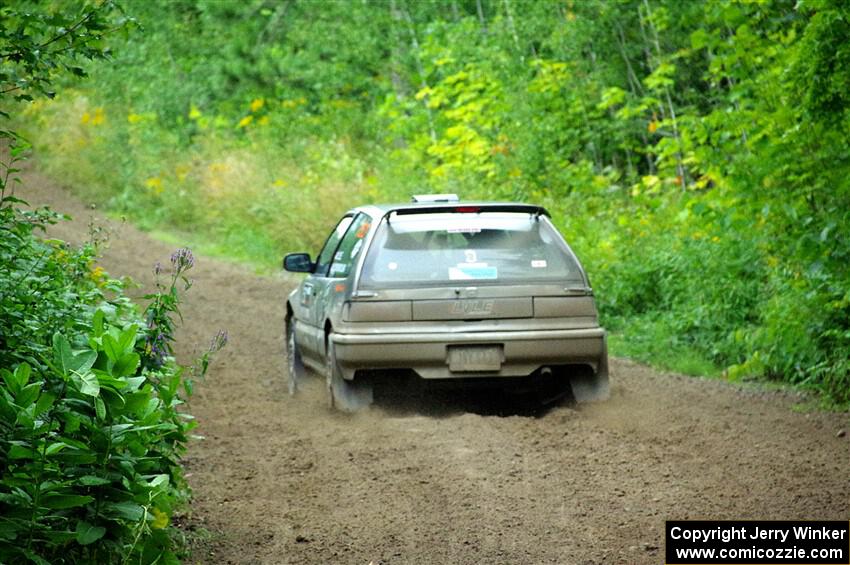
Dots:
{"x": 338, "y": 256}
{"x": 538, "y": 263}
{"x": 392, "y": 265}
{"x": 472, "y": 271}
{"x": 363, "y": 230}
{"x": 471, "y": 257}
{"x": 356, "y": 248}
{"x": 463, "y": 230}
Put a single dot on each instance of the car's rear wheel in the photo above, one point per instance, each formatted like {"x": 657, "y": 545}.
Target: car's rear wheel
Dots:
{"x": 552, "y": 388}
{"x": 296, "y": 372}
{"x": 347, "y": 396}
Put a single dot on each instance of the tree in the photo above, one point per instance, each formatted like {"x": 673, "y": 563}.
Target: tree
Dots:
{"x": 39, "y": 47}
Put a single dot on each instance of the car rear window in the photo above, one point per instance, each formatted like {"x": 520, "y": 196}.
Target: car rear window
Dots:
{"x": 467, "y": 248}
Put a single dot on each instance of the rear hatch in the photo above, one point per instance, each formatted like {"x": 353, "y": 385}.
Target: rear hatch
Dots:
{"x": 467, "y": 264}
{"x": 468, "y": 249}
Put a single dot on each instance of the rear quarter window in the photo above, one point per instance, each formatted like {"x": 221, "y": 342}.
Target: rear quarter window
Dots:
{"x": 350, "y": 247}
{"x": 323, "y": 261}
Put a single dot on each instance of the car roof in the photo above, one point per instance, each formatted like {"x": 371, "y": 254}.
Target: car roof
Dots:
{"x": 407, "y": 208}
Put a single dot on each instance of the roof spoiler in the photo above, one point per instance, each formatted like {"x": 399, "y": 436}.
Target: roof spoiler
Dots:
{"x": 471, "y": 208}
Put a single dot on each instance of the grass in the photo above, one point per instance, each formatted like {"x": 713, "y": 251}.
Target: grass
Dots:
{"x": 258, "y": 257}
{"x": 656, "y": 350}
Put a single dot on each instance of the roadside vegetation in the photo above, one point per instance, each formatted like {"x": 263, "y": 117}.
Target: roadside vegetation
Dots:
{"x": 694, "y": 153}
{"x": 93, "y": 421}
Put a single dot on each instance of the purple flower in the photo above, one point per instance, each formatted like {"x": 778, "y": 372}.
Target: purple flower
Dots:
{"x": 157, "y": 350}
{"x": 182, "y": 259}
{"x": 218, "y": 341}
{"x": 157, "y": 268}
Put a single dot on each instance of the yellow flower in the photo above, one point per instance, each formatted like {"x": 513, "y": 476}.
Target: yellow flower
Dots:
{"x": 134, "y": 118}
{"x": 154, "y": 184}
{"x": 244, "y": 122}
{"x": 98, "y": 276}
{"x": 94, "y": 119}
{"x": 160, "y": 519}
{"x": 257, "y": 104}
{"x": 264, "y": 121}
{"x": 194, "y": 113}
{"x": 99, "y": 117}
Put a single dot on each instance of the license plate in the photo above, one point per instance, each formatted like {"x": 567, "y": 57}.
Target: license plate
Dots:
{"x": 469, "y": 358}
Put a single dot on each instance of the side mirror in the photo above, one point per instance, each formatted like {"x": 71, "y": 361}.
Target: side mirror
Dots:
{"x": 298, "y": 263}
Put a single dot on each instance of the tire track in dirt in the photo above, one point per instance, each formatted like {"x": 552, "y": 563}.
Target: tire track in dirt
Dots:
{"x": 284, "y": 480}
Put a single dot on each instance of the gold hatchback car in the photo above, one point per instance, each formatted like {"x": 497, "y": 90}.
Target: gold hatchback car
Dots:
{"x": 469, "y": 292}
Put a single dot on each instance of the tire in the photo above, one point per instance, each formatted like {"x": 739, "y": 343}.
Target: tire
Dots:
{"x": 343, "y": 395}
{"x": 296, "y": 373}
{"x": 552, "y": 389}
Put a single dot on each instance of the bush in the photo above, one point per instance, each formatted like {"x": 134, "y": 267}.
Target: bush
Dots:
{"x": 92, "y": 418}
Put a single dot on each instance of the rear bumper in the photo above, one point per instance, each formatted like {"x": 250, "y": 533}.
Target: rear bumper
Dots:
{"x": 428, "y": 353}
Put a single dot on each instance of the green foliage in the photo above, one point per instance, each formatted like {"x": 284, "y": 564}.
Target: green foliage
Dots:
{"x": 37, "y": 45}
{"x": 693, "y": 152}
{"x": 92, "y": 418}
{"x": 822, "y": 78}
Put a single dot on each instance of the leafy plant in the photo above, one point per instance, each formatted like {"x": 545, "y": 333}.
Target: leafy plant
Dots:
{"x": 92, "y": 418}
{"x": 37, "y": 44}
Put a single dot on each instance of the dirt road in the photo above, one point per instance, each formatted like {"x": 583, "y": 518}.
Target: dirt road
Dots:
{"x": 284, "y": 480}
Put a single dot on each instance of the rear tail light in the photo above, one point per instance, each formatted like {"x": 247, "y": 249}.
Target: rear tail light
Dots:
{"x": 564, "y": 307}
{"x": 383, "y": 311}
